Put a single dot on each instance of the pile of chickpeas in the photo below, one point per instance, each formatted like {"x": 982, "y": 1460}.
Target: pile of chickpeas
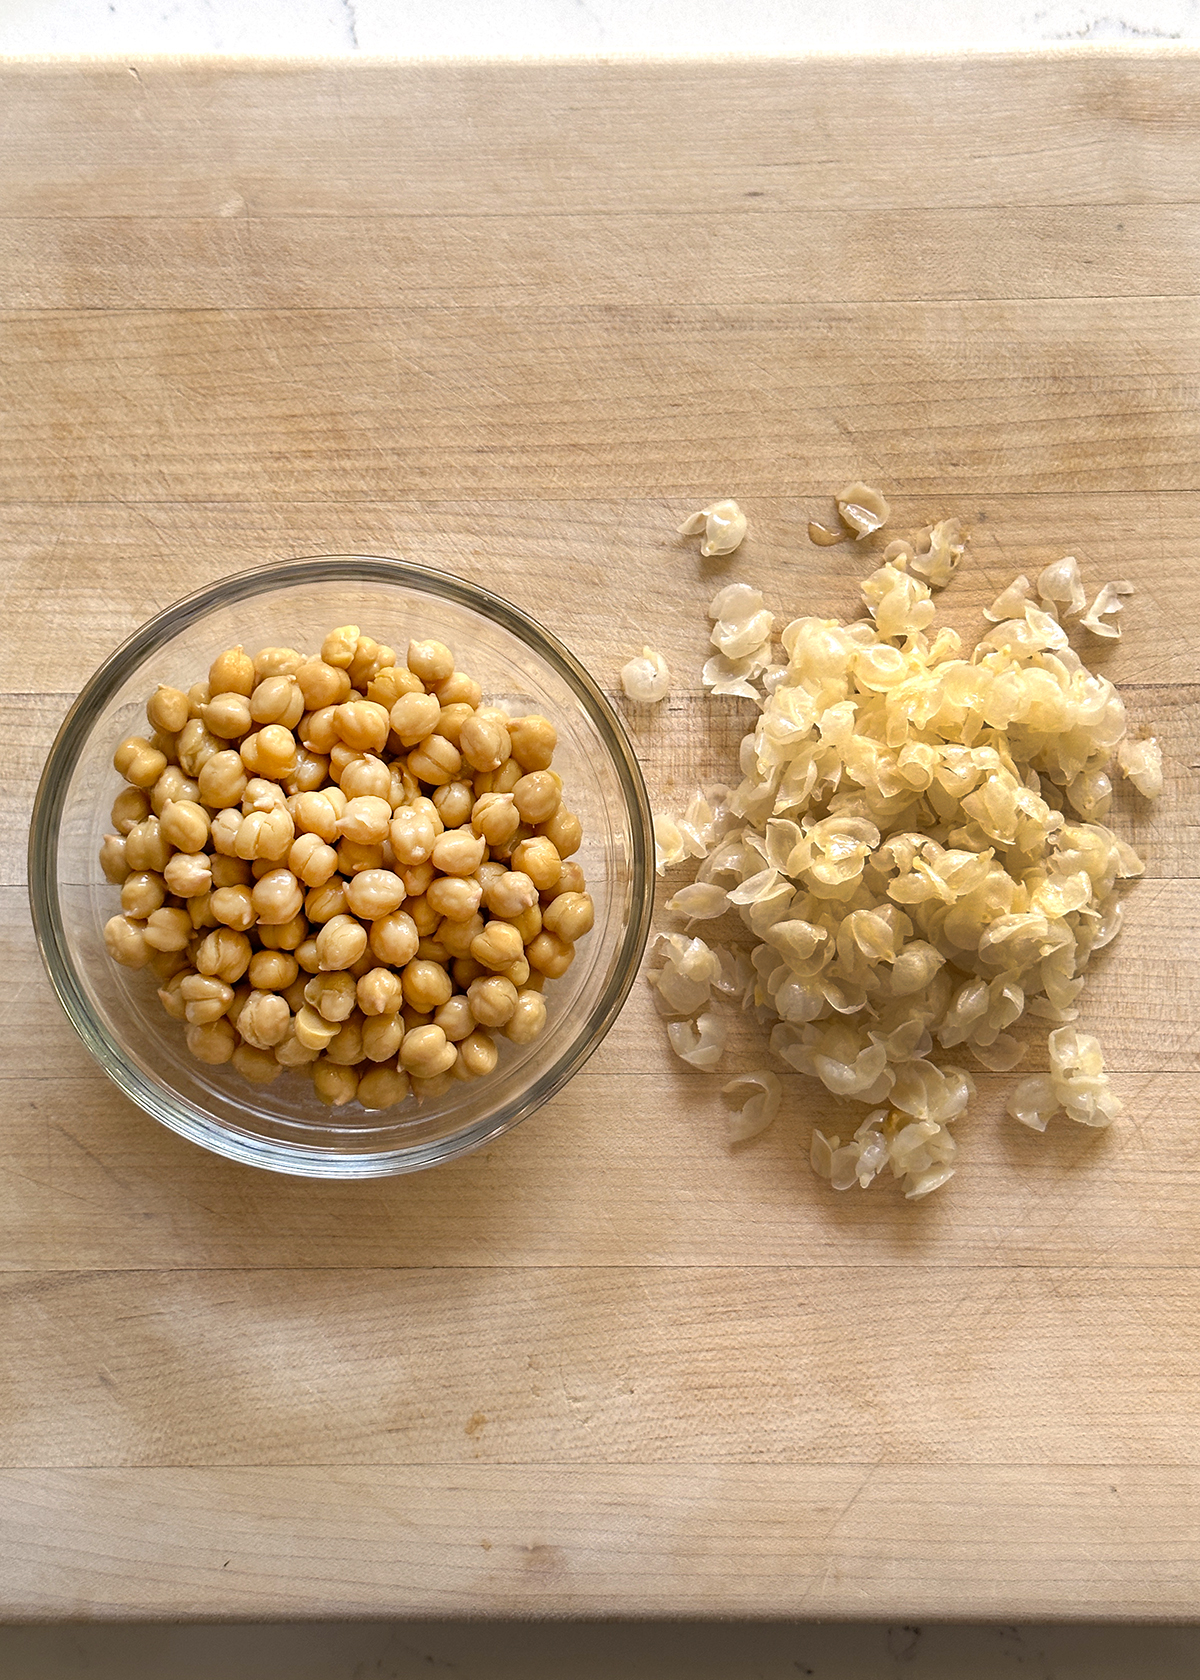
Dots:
{"x": 345, "y": 862}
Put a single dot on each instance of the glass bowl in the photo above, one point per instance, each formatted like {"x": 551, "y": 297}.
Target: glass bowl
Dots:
{"x": 284, "y": 1126}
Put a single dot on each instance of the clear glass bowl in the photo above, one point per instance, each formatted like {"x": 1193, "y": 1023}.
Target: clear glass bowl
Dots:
{"x": 283, "y": 1126}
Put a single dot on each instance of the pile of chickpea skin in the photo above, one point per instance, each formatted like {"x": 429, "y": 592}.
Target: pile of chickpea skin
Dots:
{"x": 346, "y": 863}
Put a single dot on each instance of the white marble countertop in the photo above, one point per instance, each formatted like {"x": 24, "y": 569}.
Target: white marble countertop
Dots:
{"x": 569, "y": 28}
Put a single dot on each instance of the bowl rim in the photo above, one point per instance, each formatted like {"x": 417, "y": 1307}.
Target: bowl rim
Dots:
{"x": 186, "y": 1118}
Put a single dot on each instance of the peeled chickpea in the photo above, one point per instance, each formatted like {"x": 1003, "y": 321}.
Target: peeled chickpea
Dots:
{"x": 394, "y": 939}
{"x": 412, "y": 835}
{"x": 478, "y": 1054}
{"x": 322, "y": 684}
{"x": 222, "y": 780}
{"x": 366, "y": 777}
{"x": 537, "y": 796}
{"x": 346, "y": 1046}
{"x": 276, "y": 662}
{"x": 492, "y": 1000}
{"x": 379, "y": 992}
{"x": 264, "y": 1020}
{"x": 365, "y": 820}
{"x": 455, "y": 1018}
{"x": 258, "y": 1066}
{"x": 458, "y": 852}
{"x": 312, "y": 1029}
{"x": 538, "y": 858}
{"x": 225, "y": 954}
{"x": 383, "y": 1087}
{"x": 188, "y": 874}
{"x": 334, "y": 1084}
{"x": 374, "y": 893}
{"x": 325, "y": 902}
{"x": 130, "y": 807}
{"x": 167, "y": 709}
{"x": 277, "y": 699}
{"x": 313, "y": 813}
{"x": 125, "y": 942}
{"x": 426, "y": 984}
{"x": 143, "y": 893}
{"x": 168, "y": 929}
{"x": 527, "y": 1019}
{"x": 363, "y": 726}
{"x": 145, "y": 847}
{"x": 227, "y": 716}
{"x": 425, "y": 1052}
{"x": 340, "y": 942}
{"x": 455, "y": 897}
{"x": 533, "y": 741}
{"x": 435, "y": 761}
{"x": 278, "y": 897}
{"x": 550, "y": 955}
{"x": 311, "y": 860}
{"x": 454, "y": 803}
{"x": 112, "y": 859}
{"x": 498, "y": 946}
{"x": 455, "y": 937}
{"x": 231, "y": 672}
{"x": 211, "y": 1041}
{"x": 140, "y": 763}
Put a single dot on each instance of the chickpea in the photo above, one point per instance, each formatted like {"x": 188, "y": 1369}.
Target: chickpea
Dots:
{"x": 168, "y": 929}
{"x": 334, "y": 1084}
{"x": 188, "y": 874}
{"x": 382, "y": 1036}
{"x": 454, "y": 802}
{"x": 414, "y": 1018}
{"x": 366, "y": 777}
{"x": 224, "y": 953}
{"x": 383, "y": 1087}
{"x": 450, "y": 721}
{"x": 424, "y": 917}
{"x": 390, "y": 683}
{"x": 338, "y": 647}
{"x": 458, "y": 852}
{"x": 230, "y": 871}
{"x": 205, "y": 998}
{"x": 140, "y": 763}
{"x": 373, "y": 893}
{"x": 333, "y": 995}
{"x": 483, "y": 742}
{"x": 504, "y": 851}
{"x": 231, "y": 672}
{"x": 265, "y": 834}
{"x": 112, "y": 859}
{"x": 142, "y": 894}
{"x": 263, "y": 795}
{"x": 435, "y": 761}
{"x": 477, "y": 1054}
{"x": 570, "y": 916}
{"x": 145, "y": 847}
{"x": 222, "y": 780}
{"x": 312, "y": 1029}
{"x": 533, "y": 741}
{"x": 417, "y": 878}
{"x": 198, "y": 697}
{"x": 431, "y": 1090}
{"x": 433, "y": 951}
{"x": 226, "y": 826}
{"x": 538, "y": 858}
{"x": 277, "y": 700}
{"x": 277, "y": 897}
{"x": 528, "y": 924}
{"x": 518, "y": 972}
{"x": 405, "y": 786}
{"x": 273, "y": 971}
{"x": 170, "y": 998}
{"x": 564, "y": 830}
{"x": 291, "y": 1053}
{"x": 365, "y": 820}
{"x": 171, "y": 787}
{"x": 196, "y": 746}
{"x": 318, "y": 730}
{"x": 426, "y": 984}
{"x": 379, "y": 992}
{"x": 340, "y": 942}
{"x": 167, "y": 709}
{"x": 322, "y": 684}
{"x": 550, "y": 955}
{"x": 527, "y": 1019}
{"x": 415, "y": 716}
{"x": 324, "y": 903}
{"x": 125, "y": 942}
{"x": 283, "y": 936}
{"x": 346, "y": 1046}
{"x": 306, "y": 955}
{"x": 276, "y": 752}
{"x": 431, "y": 661}
{"x": 264, "y": 1020}
{"x": 130, "y": 807}
{"x": 412, "y": 835}
{"x": 199, "y": 909}
{"x": 425, "y": 1052}
{"x": 227, "y": 716}
{"x": 257, "y": 1066}
{"x": 455, "y": 1018}
{"x": 466, "y": 969}
{"x": 498, "y": 946}
{"x": 510, "y": 894}
{"x": 362, "y": 725}
{"x": 571, "y": 879}
{"x": 506, "y": 778}
{"x": 312, "y": 860}
{"x": 308, "y": 773}
{"x": 276, "y": 662}
{"x": 394, "y": 939}
{"x": 495, "y": 818}
{"x": 454, "y": 897}
{"x": 458, "y": 689}
{"x": 184, "y": 823}
{"x": 538, "y": 796}
{"x": 353, "y": 857}
{"x": 211, "y": 1041}
{"x": 492, "y": 1000}
{"x": 370, "y": 657}
{"x": 313, "y": 813}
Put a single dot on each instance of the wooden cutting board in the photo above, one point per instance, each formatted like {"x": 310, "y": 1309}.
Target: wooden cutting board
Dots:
{"x": 518, "y": 321}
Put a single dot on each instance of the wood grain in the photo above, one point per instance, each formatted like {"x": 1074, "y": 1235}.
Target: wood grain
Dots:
{"x": 516, "y": 321}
